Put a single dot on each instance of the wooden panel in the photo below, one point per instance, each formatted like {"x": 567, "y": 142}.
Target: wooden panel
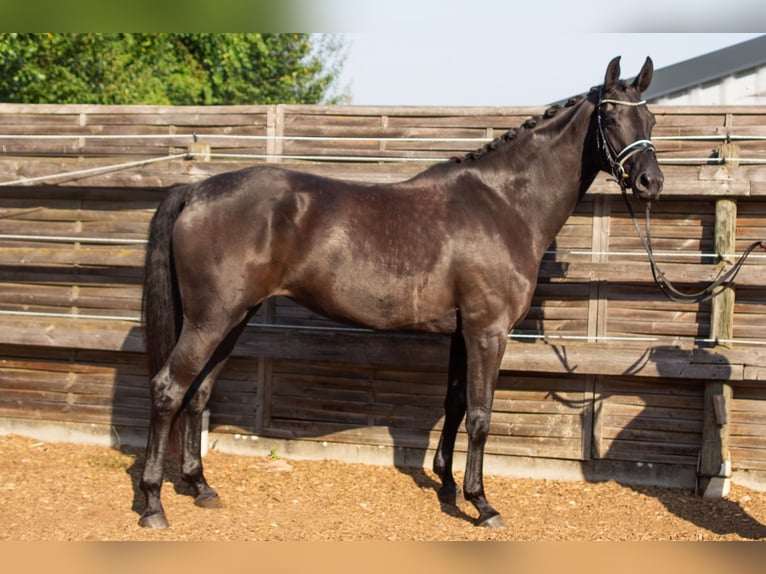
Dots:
{"x": 68, "y": 386}
{"x": 352, "y": 396}
{"x": 539, "y": 416}
{"x": 750, "y": 300}
{"x": 107, "y": 388}
{"x": 112, "y": 130}
{"x": 750, "y": 314}
{"x": 532, "y": 416}
{"x": 661, "y": 422}
{"x": 681, "y": 233}
{"x": 748, "y": 427}
{"x": 330, "y": 383}
{"x": 233, "y": 402}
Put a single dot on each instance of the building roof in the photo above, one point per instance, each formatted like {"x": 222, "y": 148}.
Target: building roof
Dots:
{"x": 707, "y": 68}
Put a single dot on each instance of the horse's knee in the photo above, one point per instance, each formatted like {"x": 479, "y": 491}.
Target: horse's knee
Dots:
{"x": 477, "y": 424}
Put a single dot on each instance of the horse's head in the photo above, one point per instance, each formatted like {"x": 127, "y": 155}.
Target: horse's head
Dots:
{"x": 625, "y": 129}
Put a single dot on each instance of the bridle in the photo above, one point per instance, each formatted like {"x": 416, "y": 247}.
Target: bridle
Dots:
{"x": 616, "y": 163}
{"x": 617, "y": 160}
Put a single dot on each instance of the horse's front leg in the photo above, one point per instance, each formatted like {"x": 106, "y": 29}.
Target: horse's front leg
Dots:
{"x": 485, "y": 352}
{"x": 454, "y": 411}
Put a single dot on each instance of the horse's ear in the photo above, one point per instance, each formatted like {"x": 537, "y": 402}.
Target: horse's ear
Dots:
{"x": 612, "y": 74}
{"x": 644, "y": 77}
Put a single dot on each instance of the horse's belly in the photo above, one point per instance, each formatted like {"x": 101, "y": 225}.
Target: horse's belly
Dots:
{"x": 383, "y": 302}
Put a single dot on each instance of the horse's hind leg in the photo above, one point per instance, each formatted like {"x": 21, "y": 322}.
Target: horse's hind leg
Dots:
{"x": 191, "y": 457}
{"x": 454, "y": 411}
{"x": 191, "y": 461}
{"x": 166, "y": 399}
{"x": 187, "y": 362}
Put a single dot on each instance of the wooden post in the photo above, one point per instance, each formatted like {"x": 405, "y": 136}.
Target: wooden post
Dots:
{"x": 198, "y": 151}
{"x": 714, "y": 472}
{"x": 275, "y": 129}
{"x": 597, "y": 299}
{"x": 722, "y": 311}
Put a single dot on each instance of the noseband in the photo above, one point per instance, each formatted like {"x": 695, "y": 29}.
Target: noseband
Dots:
{"x": 617, "y": 160}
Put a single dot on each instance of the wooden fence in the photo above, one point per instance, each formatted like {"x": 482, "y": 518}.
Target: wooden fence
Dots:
{"x": 604, "y": 373}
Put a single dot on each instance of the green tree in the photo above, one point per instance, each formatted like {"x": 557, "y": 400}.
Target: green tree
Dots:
{"x": 170, "y": 68}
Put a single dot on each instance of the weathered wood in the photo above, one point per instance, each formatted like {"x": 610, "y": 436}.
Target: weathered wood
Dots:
{"x": 588, "y": 394}
{"x": 722, "y": 313}
{"x": 657, "y": 423}
{"x": 715, "y": 463}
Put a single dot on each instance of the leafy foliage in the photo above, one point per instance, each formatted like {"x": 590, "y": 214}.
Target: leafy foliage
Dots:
{"x": 170, "y": 68}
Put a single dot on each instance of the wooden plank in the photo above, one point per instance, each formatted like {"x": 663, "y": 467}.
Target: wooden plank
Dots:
{"x": 172, "y": 172}
{"x": 682, "y": 454}
{"x": 392, "y": 379}
{"x": 412, "y": 351}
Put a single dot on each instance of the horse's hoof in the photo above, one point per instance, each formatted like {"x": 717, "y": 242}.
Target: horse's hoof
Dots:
{"x": 495, "y": 521}
{"x": 155, "y": 520}
{"x": 208, "y": 500}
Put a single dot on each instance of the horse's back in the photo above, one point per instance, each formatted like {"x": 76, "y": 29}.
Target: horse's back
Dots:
{"x": 374, "y": 255}
{"x": 395, "y": 256}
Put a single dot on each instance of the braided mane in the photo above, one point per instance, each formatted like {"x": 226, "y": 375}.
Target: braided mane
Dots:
{"x": 513, "y": 133}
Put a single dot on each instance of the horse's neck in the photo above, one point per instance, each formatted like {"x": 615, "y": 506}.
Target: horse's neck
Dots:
{"x": 539, "y": 176}
{"x": 559, "y": 166}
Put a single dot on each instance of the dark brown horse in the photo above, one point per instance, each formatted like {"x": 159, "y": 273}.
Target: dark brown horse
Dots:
{"x": 454, "y": 250}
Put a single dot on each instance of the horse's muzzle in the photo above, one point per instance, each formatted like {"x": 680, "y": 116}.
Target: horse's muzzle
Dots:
{"x": 646, "y": 178}
{"x": 648, "y": 186}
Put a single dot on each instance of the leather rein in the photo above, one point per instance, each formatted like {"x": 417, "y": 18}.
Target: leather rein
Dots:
{"x": 617, "y": 164}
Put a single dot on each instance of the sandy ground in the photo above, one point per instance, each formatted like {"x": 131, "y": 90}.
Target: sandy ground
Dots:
{"x": 65, "y": 492}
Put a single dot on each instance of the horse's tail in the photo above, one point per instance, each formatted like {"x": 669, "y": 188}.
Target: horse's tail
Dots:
{"x": 161, "y": 303}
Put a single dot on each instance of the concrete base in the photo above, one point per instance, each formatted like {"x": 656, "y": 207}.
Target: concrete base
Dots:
{"x": 624, "y": 472}
{"x": 75, "y": 433}
{"x": 647, "y": 474}
{"x": 718, "y": 487}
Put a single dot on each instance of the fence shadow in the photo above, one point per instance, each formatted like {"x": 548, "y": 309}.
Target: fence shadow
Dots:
{"x": 412, "y": 451}
{"x": 131, "y": 412}
{"x": 720, "y": 515}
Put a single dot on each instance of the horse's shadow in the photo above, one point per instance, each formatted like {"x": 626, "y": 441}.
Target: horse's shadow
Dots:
{"x": 410, "y": 447}
{"x": 457, "y": 507}
{"x": 720, "y": 516}
{"x": 412, "y": 450}
{"x": 171, "y": 478}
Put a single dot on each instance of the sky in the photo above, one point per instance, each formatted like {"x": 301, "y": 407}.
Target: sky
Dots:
{"x": 504, "y": 53}
{"x": 445, "y": 52}
{"x": 443, "y": 67}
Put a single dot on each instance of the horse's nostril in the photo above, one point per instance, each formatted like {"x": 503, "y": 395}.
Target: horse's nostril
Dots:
{"x": 648, "y": 183}
{"x": 644, "y": 182}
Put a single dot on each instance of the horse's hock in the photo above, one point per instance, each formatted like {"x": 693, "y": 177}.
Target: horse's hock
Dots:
{"x": 605, "y": 378}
